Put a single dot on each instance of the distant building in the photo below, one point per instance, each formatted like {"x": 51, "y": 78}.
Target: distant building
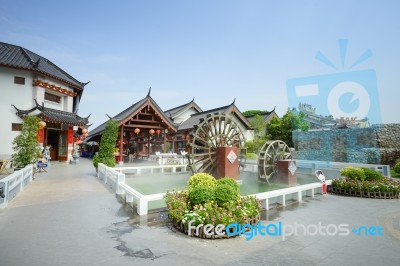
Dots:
{"x": 33, "y": 85}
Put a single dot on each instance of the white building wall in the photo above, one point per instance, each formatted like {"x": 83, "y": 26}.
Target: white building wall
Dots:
{"x": 21, "y": 97}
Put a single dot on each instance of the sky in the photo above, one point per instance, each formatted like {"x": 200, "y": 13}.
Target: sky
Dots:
{"x": 215, "y": 51}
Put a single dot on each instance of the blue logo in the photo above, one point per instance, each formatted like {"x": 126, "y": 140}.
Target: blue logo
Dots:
{"x": 343, "y": 95}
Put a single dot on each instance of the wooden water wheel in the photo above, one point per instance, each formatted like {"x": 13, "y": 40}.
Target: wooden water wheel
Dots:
{"x": 216, "y": 130}
{"x": 270, "y": 153}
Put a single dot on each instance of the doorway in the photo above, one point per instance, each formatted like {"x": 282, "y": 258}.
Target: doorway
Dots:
{"x": 52, "y": 142}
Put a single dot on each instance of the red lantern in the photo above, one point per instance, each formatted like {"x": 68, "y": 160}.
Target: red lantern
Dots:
{"x": 151, "y": 131}
{"x": 137, "y": 131}
{"x": 158, "y": 131}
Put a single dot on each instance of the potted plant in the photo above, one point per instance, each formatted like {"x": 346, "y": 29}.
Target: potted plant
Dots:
{"x": 25, "y": 145}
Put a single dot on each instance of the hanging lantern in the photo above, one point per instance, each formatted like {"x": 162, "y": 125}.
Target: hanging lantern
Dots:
{"x": 137, "y": 131}
{"x": 158, "y": 131}
{"x": 151, "y": 132}
{"x": 85, "y": 135}
{"x": 84, "y": 130}
{"x": 42, "y": 124}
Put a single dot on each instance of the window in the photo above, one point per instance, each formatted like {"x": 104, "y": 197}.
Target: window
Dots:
{"x": 19, "y": 80}
{"x": 52, "y": 98}
{"x": 16, "y": 127}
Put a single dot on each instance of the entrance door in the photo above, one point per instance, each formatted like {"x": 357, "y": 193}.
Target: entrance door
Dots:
{"x": 52, "y": 136}
{"x": 62, "y": 146}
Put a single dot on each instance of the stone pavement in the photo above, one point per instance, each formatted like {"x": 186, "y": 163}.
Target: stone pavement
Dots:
{"x": 68, "y": 217}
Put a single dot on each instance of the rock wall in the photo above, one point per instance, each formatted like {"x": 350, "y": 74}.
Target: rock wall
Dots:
{"x": 376, "y": 145}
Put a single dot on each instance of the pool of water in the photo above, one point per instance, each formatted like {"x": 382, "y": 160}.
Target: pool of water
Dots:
{"x": 249, "y": 182}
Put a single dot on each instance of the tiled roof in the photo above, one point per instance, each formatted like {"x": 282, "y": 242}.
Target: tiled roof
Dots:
{"x": 195, "y": 119}
{"x": 174, "y": 111}
{"x": 19, "y": 57}
{"x": 127, "y": 113}
{"x": 55, "y": 116}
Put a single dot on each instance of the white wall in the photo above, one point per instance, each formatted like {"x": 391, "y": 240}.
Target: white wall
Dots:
{"x": 20, "y": 96}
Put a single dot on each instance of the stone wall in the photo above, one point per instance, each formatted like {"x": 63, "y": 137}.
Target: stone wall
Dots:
{"x": 375, "y": 145}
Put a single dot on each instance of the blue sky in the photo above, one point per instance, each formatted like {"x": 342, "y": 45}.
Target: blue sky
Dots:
{"x": 214, "y": 51}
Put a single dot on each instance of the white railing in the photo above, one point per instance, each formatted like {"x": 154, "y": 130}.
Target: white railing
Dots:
{"x": 11, "y": 185}
{"x": 113, "y": 176}
{"x": 292, "y": 193}
{"x": 152, "y": 169}
{"x": 116, "y": 181}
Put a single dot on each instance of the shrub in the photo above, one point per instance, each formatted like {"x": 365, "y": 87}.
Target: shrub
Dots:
{"x": 26, "y": 146}
{"x": 177, "y": 204}
{"x": 201, "y": 194}
{"x": 201, "y": 179}
{"x": 107, "y": 145}
{"x": 227, "y": 190}
{"x": 371, "y": 175}
{"x": 251, "y": 156}
{"x": 353, "y": 173}
{"x": 396, "y": 167}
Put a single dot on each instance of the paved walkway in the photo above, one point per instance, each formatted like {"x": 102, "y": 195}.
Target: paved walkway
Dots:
{"x": 68, "y": 217}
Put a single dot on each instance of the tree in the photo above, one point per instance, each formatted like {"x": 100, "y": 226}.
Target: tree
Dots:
{"x": 250, "y": 113}
{"x": 281, "y": 129}
{"x": 26, "y": 146}
{"x": 107, "y": 145}
{"x": 259, "y": 125}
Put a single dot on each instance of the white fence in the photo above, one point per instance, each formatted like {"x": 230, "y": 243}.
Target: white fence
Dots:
{"x": 116, "y": 181}
{"x": 296, "y": 193}
{"x": 11, "y": 185}
{"x": 152, "y": 169}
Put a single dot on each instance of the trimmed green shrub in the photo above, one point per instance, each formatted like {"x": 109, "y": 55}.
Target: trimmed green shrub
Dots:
{"x": 107, "y": 145}
{"x": 371, "y": 175}
{"x": 201, "y": 179}
{"x": 353, "y": 173}
{"x": 201, "y": 194}
{"x": 396, "y": 167}
{"x": 227, "y": 190}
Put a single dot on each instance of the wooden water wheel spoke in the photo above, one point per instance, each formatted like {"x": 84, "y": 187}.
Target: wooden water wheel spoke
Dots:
{"x": 214, "y": 131}
{"x": 270, "y": 153}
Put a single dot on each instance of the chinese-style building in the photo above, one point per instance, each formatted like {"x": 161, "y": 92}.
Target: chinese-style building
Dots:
{"x": 33, "y": 85}
{"x": 149, "y": 129}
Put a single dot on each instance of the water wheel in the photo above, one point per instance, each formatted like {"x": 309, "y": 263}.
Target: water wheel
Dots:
{"x": 270, "y": 153}
{"x": 216, "y": 130}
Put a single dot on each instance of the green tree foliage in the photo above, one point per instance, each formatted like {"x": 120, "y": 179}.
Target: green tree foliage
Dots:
{"x": 254, "y": 146}
{"x": 254, "y": 112}
{"x": 281, "y": 129}
{"x": 259, "y": 126}
{"x": 26, "y": 147}
{"x": 107, "y": 145}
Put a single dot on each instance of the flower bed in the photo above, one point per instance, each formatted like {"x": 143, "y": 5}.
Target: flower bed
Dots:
{"x": 210, "y": 202}
{"x": 362, "y": 182}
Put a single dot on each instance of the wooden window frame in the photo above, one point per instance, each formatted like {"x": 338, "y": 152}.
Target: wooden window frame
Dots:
{"x": 52, "y": 97}
{"x": 19, "y": 80}
{"x": 16, "y": 127}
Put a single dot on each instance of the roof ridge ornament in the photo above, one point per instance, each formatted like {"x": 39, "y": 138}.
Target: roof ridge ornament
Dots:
{"x": 234, "y": 100}
{"x": 148, "y": 94}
